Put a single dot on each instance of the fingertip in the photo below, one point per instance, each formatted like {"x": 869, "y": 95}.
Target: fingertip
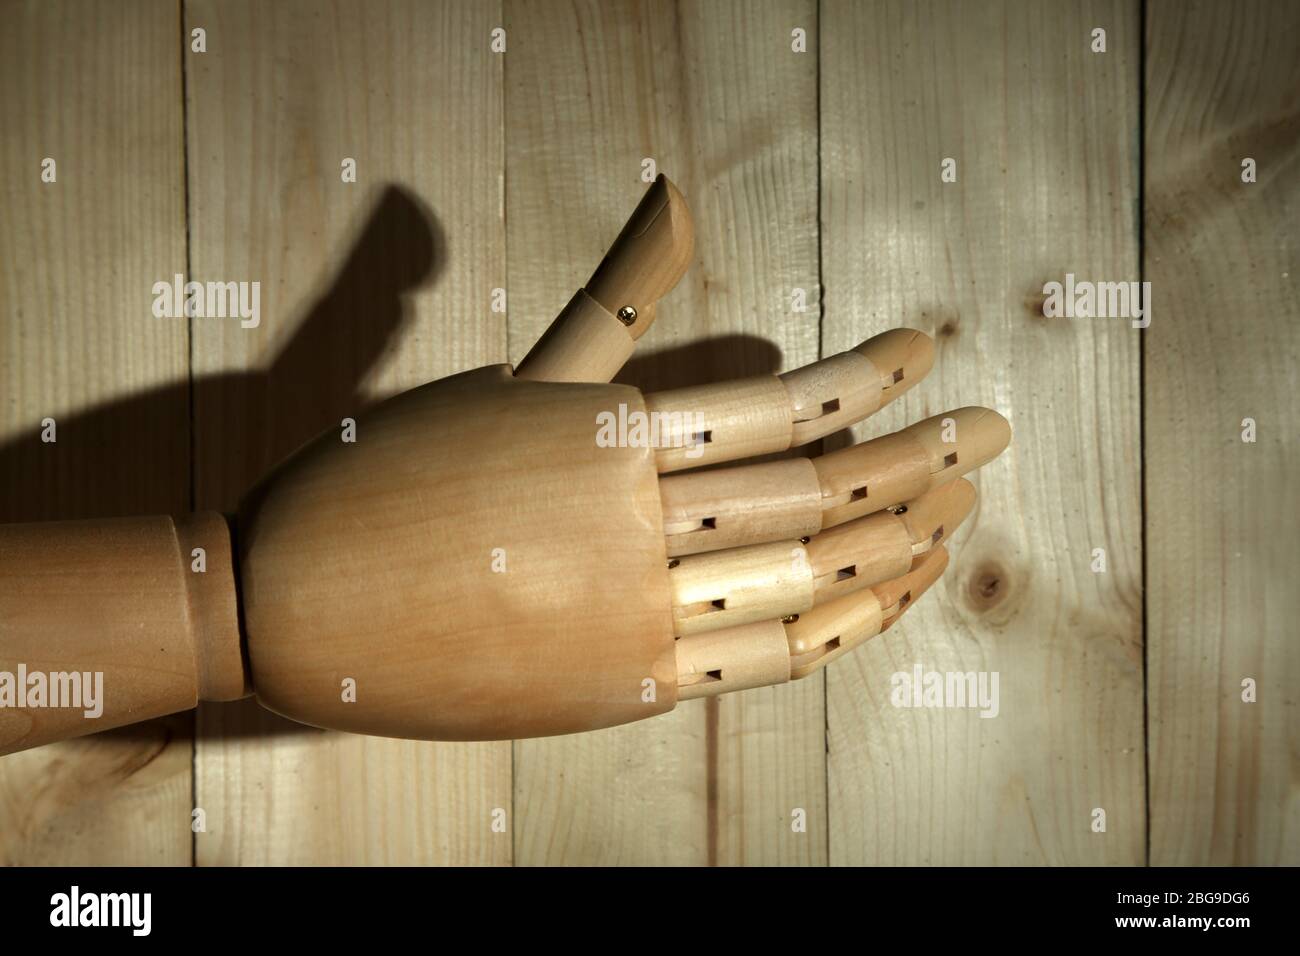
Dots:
{"x": 994, "y": 429}
{"x": 961, "y": 500}
{"x": 901, "y": 593}
{"x": 648, "y": 258}
{"x": 901, "y": 356}
{"x": 937, "y": 513}
{"x": 962, "y": 439}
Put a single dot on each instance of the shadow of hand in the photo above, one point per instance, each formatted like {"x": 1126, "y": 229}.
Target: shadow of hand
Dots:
{"x": 200, "y": 443}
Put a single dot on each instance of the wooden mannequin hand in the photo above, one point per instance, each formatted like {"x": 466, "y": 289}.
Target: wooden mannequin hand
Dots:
{"x": 509, "y": 553}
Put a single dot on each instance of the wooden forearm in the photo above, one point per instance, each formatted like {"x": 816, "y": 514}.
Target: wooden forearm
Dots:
{"x": 110, "y": 622}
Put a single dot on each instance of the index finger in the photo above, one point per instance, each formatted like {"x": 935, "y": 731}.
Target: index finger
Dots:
{"x": 724, "y": 421}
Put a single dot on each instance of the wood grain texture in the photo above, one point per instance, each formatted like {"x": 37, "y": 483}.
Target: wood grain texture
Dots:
{"x": 1223, "y": 518}
{"x": 368, "y": 288}
{"x": 713, "y": 94}
{"x": 1045, "y": 135}
{"x": 79, "y": 344}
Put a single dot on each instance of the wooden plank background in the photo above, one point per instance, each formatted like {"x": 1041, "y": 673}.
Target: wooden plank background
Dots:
{"x": 1223, "y": 517}
{"x": 1044, "y": 135}
{"x": 816, "y": 171}
{"x": 79, "y": 344}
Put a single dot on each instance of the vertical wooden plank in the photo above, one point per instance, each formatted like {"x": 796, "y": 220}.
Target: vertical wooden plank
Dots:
{"x": 367, "y": 288}
{"x": 96, "y": 88}
{"x": 1223, "y": 517}
{"x": 1044, "y": 133}
{"x": 714, "y": 95}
